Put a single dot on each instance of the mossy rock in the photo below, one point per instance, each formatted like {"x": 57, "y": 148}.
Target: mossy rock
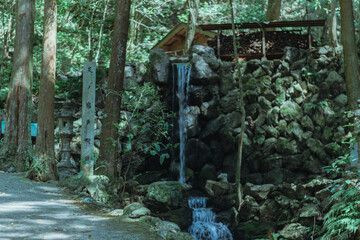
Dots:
{"x": 165, "y": 195}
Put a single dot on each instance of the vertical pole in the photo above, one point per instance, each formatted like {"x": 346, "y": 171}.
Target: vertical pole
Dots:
{"x": 88, "y": 119}
{"x": 218, "y": 43}
{"x": 263, "y": 42}
{"x": 309, "y": 37}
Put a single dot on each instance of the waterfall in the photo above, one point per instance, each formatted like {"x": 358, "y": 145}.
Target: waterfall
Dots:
{"x": 204, "y": 225}
{"x": 183, "y": 77}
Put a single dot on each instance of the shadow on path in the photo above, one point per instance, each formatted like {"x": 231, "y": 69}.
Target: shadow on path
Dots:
{"x": 31, "y": 210}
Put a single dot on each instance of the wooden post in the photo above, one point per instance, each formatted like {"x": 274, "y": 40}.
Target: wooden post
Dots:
{"x": 88, "y": 119}
{"x": 309, "y": 37}
{"x": 263, "y": 42}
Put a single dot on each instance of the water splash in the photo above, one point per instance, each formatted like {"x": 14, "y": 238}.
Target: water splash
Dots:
{"x": 204, "y": 226}
{"x": 183, "y": 76}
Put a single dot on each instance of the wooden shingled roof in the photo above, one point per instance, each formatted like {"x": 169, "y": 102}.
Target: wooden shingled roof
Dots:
{"x": 174, "y": 41}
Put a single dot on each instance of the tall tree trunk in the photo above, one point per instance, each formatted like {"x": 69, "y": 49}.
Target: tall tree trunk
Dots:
{"x": 193, "y": 6}
{"x": 97, "y": 57}
{"x": 45, "y": 160}
{"x": 17, "y": 133}
{"x": 238, "y": 188}
{"x": 108, "y": 153}
{"x": 350, "y": 53}
{"x": 273, "y": 10}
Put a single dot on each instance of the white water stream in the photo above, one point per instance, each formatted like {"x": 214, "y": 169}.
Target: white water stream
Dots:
{"x": 183, "y": 77}
{"x": 204, "y": 226}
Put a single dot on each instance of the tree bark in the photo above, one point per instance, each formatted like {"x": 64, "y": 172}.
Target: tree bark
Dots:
{"x": 45, "y": 132}
{"x": 108, "y": 153}
{"x": 273, "y": 10}
{"x": 333, "y": 24}
{"x": 350, "y": 53}
{"x": 193, "y": 6}
{"x": 238, "y": 187}
{"x": 17, "y": 134}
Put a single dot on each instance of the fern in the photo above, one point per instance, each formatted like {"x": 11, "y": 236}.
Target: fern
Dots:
{"x": 343, "y": 220}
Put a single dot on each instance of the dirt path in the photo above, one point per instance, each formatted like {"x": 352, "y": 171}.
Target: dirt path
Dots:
{"x": 30, "y": 210}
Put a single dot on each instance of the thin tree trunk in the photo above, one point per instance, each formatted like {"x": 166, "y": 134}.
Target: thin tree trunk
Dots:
{"x": 238, "y": 187}
{"x": 333, "y": 24}
{"x": 193, "y": 6}
{"x": 97, "y": 57}
{"x": 109, "y": 154}
{"x": 17, "y": 133}
{"x": 45, "y": 131}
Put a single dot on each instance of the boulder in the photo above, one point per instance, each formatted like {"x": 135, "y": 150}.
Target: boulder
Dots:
{"x": 259, "y": 192}
{"x": 214, "y": 188}
{"x": 290, "y": 111}
{"x": 316, "y": 146}
{"x": 230, "y": 102}
{"x": 136, "y": 210}
{"x": 201, "y": 73}
{"x": 198, "y": 153}
{"x": 163, "y": 196}
{"x": 211, "y": 109}
{"x": 286, "y": 146}
{"x": 199, "y": 94}
{"x": 294, "y": 231}
{"x": 207, "y": 172}
{"x": 227, "y": 82}
{"x": 208, "y": 54}
{"x": 160, "y": 65}
{"x": 213, "y": 126}
{"x": 249, "y": 209}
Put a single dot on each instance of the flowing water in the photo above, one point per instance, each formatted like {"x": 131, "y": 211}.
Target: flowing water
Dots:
{"x": 183, "y": 77}
{"x": 204, "y": 226}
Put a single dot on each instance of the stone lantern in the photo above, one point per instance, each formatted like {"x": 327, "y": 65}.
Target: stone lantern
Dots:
{"x": 65, "y": 125}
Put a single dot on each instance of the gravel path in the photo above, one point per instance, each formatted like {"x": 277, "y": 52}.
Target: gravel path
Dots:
{"x": 31, "y": 210}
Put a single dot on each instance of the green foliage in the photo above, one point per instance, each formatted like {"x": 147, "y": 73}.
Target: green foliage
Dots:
{"x": 144, "y": 129}
{"x": 343, "y": 219}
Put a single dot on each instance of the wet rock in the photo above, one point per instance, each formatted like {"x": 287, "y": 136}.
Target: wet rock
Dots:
{"x": 227, "y": 82}
{"x": 198, "y": 153}
{"x": 307, "y": 123}
{"x": 160, "y": 64}
{"x": 230, "y": 102}
{"x": 259, "y": 192}
{"x": 136, "y": 210}
{"x": 201, "y": 73}
{"x": 294, "y": 231}
{"x": 208, "y": 55}
{"x": 199, "y": 94}
{"x": 163, "y": 196}
{"x": 249, "y": 209}
{"x": 296, "y": 130}
{"x": 291, "y": 54}
{"x": 316, "y": 147}
{"x": 341, "y": 100}
{"x": 192, "y": 121}
{"x": 309, "y": 210}
{"x": 291, "y": 111}
{"x": 233, "y": 120}
{"x": 286, "y": 146}
{"x": 211, "y": 109}
{"x": 207, "y": 172}
{"x": 213, "y": 126}
{"x": 214, "y": 188}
